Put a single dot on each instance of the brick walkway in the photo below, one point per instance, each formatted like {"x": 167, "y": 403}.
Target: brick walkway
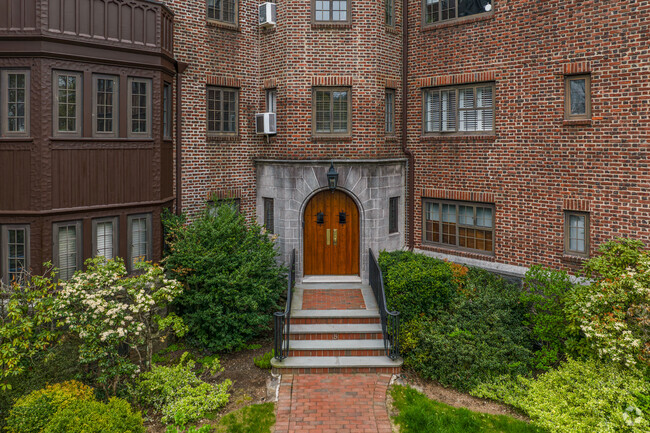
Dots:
{"x": 333, "y": 403}
{"x": 339, "y": 299}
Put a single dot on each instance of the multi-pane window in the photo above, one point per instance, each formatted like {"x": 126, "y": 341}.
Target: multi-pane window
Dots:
{"x": 331, "y": 10}
{"x": 578, "y": 97}
{"x": 393, "y": 212}
{"x": 222, "y": 10}
{"x": 214, "y": 205}
{"x": 466, "y": 109}
{"x": 222, "y": 110}
{"x": 67, "y": 103}
{"x": 105, "y": 237}
{"x": 463, "y": 225}
{"x": 167, "y": 111}
{"x": 139, "y": 107}
{"x": 576, "y": 233}
{"x": 390, "y": 12}
{"x": 331, "y": 111}
{"x": 268, "y": 215}
{"x": 390, "y": 111}
{"x": 442, "y": 10}
{"x": 105, "y": 103}
{"x": 271, "y": 101}
{"x": 139, "y": 239}
{"x": 15, "y": 103}
{"x": 67, "y": 248}
{"x": 15, "y": 253}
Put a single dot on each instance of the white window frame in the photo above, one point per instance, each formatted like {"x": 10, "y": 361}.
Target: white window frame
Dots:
{"x": 129, "y": 238}
{"x": 116, "y": 236}
{"x": 449, "y": 112}
{"x": 4, "y": 249}
{"x": 129, "y": 108}
{"x": 78, "y": 243}
{"x": 4, "y": 100}
{"x": 116, "y": 106}
{"x": 78, "y": 103}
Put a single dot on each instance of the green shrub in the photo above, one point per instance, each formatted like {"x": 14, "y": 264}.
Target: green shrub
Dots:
{"x": 505, "y": 389}
{"x": 586, "y": 397}
{"x": 179, "y": 394}
{"x": 264, "y": 361}
{"x": 475, "y": 339}
{"x": 31, "y": 413}
{"x": 233, "y": 280}
{"x": 416, "y": 284}
{"x": 544, "y": 294}
{"x": 190, "y": 429}
{"x": 116, "y": 416}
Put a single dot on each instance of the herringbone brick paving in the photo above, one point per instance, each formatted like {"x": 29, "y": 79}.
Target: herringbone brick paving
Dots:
{"x": 333, "y": 403}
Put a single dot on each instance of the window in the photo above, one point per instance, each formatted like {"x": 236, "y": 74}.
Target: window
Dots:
{"x": 464, "y": 225}
{"x": 139, "y": 239}
{"x": 268, "y": 215}
{"x": 331, "y": 108}
{"x": 577, "y": 97}
{"x": 441, "y": 10}
{"x": 68, "y": 254}
{"x": 14, "y": 92}
{"x": 139, "y": 107}
{"x": 271, "y": 101}
{"x": 105, "y": 105}
{"x": 14, "y": 252}
{"x": 393, "y": 212}
{"x": 105, "y": 237}
{"x": 214, "y": 205}
{"x": 464, "y": 110}
{"x": 222, "y": 111}
{"x": 223, "y": 10}
{"x": 331, "y": 10}
{"x": 167, "y": 111}
{"x": 390, "y": 12}
{"x": 68, "y": 95}
{"x": 390, "y": 111}
{"x": 576, "y": 233}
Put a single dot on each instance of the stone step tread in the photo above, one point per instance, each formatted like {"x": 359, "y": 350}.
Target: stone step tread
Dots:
{"x": 336, "y": 362}
{"x": 344, "y": 328}
{"x": 336, "y": 344}
{"x": 333, "y": 314}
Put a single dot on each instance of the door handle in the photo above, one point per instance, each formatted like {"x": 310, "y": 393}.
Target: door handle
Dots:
{"x": 328, "y": 236}
{"x": 336, "y": 232}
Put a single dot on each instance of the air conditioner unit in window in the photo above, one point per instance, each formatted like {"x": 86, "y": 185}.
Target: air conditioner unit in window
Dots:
{"x": 267, "y": 14}
{"x": 265, "y": 123}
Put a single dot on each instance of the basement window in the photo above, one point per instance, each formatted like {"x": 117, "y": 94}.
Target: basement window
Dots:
{"x": 462, "y": 225}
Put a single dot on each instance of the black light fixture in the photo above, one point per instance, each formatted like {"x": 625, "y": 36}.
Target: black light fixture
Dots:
{"x": 332, "y": 178}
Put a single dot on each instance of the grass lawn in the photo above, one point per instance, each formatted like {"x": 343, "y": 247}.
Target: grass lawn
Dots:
{"x": 258, "y": 418}
{"x": 418, "y": 414}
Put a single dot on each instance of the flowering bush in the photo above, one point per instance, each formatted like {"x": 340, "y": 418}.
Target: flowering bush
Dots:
{"x": 613, "y": 312}
{"x": 179, "y": 394}
{"x": 26, "y": 316}
{"x": 109, "y": 310}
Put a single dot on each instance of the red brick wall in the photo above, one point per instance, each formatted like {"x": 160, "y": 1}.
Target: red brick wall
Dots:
{"x": 536, "y": 165}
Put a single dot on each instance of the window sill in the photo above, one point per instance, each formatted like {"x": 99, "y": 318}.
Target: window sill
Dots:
{"x": 392, "y": 138}
{"x": 458, "y": 138}
{"x": 16, "y": 139}
{"x": 331, "y": 25}
{"x": 223, "y": 25}
{"x": 392, "y": 29}
{"x": 458, "y": 21}
{"x": 331, "y": 138}
{"x": 458, "y": 252}
{"x": 103, "y": 139}
{"x": 221, "y": 138}
{"x": 577, "y": 122}
{"x": 268, "y": 30}
{"x": 574, "y": 259}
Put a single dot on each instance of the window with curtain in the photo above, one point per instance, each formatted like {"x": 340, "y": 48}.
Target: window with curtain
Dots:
{"x": 462, "y": 110}
{"x": 222, "y": 10}
{"x": 138, "y": 240}
{"x": 68, "y": 254}
{"x": 105, "y": 237}
{"x": 14, "y": 252}
{"x": 331, "y": 111}
{"x": 576, "y": 233}
{"x": 466, "y": 226}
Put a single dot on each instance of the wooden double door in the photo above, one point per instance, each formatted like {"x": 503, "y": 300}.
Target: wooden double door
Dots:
{"x": 331, "y": 234}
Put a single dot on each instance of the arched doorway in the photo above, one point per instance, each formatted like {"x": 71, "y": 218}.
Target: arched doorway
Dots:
{"x": 331, "y": 234}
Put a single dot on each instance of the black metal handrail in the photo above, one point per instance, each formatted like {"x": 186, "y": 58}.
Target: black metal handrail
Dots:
{"x": 283, "y": 320}
{"x": 389, "y": 319}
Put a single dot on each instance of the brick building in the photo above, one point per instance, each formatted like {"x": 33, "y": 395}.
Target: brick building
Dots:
{"x": 523, "y": 139}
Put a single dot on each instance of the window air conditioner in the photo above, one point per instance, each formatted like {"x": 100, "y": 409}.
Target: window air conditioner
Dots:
{"x": 265, "y": 123}
{"x": 267, "y": 14}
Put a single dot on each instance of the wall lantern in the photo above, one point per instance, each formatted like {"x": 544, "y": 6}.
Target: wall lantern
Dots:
{"x": 332, "y": 178}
